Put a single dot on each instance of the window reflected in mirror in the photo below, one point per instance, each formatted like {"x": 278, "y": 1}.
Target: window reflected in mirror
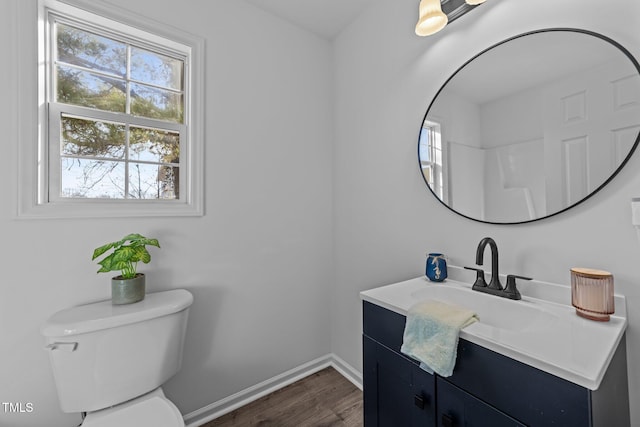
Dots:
{"x": 431, "y": 160}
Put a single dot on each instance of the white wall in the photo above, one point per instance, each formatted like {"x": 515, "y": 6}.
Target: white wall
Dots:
{"x": 386, "y": 219}
{"x": 258, "y": 263}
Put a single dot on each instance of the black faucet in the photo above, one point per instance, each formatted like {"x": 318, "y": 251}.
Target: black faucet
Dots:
{"x": 495, "y": 279}
{"x": 494, "y": 287}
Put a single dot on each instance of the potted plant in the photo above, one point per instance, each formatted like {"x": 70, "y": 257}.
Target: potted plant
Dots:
{"x": 129, "y": 286}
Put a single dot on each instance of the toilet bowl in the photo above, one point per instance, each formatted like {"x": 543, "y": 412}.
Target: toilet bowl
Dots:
{"x": 109, "y": 361}
{"x": 151, "y": 409}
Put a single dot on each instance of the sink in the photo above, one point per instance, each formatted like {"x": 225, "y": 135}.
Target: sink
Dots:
{"x": 541, "y": 330}
{"x": 496, "y": 312}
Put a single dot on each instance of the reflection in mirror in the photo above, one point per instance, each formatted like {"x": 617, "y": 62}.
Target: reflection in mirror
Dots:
{"x": 532, "y": 126}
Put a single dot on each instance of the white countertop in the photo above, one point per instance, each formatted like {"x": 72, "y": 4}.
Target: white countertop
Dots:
{"x": 558, "y": 341}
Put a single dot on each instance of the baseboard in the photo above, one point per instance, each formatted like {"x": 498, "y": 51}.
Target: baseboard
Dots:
{"x": 346, "y": 370}
{"x": 248, "y": 395}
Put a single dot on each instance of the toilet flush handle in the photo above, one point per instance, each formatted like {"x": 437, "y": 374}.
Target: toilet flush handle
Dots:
{"x": 66, "y": 346}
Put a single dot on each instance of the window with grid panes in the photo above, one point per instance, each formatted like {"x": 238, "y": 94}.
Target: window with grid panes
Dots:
{"x": 119, "y": 125}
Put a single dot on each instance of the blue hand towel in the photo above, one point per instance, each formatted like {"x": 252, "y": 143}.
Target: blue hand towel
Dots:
{"x": 431, "y": 334}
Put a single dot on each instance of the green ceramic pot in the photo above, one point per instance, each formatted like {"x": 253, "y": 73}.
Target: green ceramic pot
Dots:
{"x": 127, "y": 291}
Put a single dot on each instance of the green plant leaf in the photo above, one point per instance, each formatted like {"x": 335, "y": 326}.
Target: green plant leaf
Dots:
{"x": 102, "y": 249}
{"x": 151, "y": 242}
{"x": 120, "y": 265}
{"x": 133, "y": 237}
{"x": 125, "y": 254}
{"x": 142, "y": 254}
{"x": 106, "y": 264}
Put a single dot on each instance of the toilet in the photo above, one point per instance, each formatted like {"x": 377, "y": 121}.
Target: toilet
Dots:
{"x": 109, "y": 361}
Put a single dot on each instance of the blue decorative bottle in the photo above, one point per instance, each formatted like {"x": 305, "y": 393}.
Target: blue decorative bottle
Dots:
{"x": 436, "y": 267}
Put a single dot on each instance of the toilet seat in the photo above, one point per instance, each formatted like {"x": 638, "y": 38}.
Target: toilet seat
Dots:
{"x": 151, "y": 409}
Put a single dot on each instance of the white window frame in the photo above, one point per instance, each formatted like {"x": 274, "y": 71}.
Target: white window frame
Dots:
{"x": 435, "y": 167}
{"x": 36, "y": 160}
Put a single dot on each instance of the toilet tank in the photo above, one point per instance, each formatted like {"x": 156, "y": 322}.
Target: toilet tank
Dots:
{"x": 103, "y": 354}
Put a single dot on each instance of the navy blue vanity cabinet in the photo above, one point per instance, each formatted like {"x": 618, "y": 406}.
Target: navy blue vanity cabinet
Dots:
{"x": 397, "y": 393}
{"x": 486, "y": 389}
{"x": 457, "y": 408}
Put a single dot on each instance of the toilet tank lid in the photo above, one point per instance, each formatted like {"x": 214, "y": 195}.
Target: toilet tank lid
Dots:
{"x": 104, "y": 315}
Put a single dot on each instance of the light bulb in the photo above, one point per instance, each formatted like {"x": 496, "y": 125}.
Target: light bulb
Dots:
{"x": 431, "y": 19}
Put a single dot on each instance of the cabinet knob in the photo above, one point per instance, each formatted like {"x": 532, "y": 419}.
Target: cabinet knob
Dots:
{"x": 420, "y": 401}
{"x": 447, "y": 421}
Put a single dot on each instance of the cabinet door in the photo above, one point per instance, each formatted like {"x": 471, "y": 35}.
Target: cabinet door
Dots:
{"x": 396, "y": 391}
{"x": 457, "y": 408}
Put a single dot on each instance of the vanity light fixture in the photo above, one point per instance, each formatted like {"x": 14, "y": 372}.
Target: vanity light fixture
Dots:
{"x": 435, "y": 14}
{"x": 431, "y": 19}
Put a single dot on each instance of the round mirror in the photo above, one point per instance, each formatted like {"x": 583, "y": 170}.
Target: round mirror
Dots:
{"x": 531, "y": 126}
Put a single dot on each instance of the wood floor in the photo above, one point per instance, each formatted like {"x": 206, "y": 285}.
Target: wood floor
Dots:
{"x": 322, "y": 399}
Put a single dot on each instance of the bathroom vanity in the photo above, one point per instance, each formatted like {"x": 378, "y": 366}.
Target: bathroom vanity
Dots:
{"x": 529, "y": 362}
